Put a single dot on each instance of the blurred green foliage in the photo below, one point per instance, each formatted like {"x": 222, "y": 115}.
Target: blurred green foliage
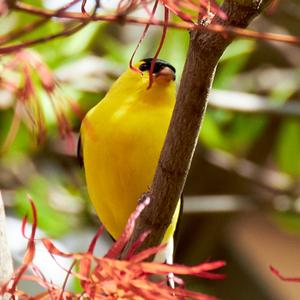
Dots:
{"x": 288, "y": 221}
{"x": 288, "y": 147}
{"x": 226, "y": 130}
{"x": 52, "y": 221}
{"x": 109, "y": 48}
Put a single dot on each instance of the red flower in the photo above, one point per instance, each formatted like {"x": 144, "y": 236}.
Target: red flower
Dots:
{"x": 107, "y": 277}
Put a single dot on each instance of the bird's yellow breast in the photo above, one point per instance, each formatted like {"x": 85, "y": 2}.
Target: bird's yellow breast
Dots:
{"x": 122, "y": 139}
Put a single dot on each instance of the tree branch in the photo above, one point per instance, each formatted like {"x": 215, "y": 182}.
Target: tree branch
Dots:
{"x": 252, "y": 104}
{"x": 62, "y": 33}
{"x": 28, "y": 28}
{"x": 47, "y": 14}
{"x": 262, "y": 176}
{"x": 230, "y": 28}
{"x": 204, "y": 52}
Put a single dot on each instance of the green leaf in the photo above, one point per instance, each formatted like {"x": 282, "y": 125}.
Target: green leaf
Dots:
{"x": 23, "y": 141}
{"x": 82, "y": 40}
{"x": 289, "y": 221}
{"x": 238, "y": 48}
{"x": 244, "y": 130}
{"x": 287, "y": 153}
{"x": 211, "y": 134}
{"x": 50, "y": 220}
{"x": 232, "y": 61}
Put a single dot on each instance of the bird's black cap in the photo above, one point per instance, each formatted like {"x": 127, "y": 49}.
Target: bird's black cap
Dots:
{"x": 159, "y": 65}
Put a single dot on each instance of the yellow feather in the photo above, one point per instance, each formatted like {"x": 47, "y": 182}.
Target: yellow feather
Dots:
{"x": 122, "y": 137}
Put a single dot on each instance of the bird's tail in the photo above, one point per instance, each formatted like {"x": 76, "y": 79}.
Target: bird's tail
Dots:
{"x": 166, "y": 256}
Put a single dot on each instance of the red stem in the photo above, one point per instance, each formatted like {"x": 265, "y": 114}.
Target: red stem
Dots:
{"x": 134, "y": 20}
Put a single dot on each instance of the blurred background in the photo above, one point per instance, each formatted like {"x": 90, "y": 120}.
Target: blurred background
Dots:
{"x": 242, "y": 197}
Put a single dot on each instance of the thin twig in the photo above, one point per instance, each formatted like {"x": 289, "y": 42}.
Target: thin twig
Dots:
{"x": 46, "y": 13}
{"x": 205, "y": 204}
{"x": 252, "y": 104}
{"x": 228, "y": 29}
{"x": 262, "y": 176}
{"x": 9, "y": 37}
{"x": 65, "y": 32}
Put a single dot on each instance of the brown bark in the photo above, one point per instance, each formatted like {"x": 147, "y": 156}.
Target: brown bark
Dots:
{"x": 204, "y": 52}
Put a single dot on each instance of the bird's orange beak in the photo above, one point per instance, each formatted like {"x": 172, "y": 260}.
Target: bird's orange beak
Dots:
{"x": 165, "y": 75}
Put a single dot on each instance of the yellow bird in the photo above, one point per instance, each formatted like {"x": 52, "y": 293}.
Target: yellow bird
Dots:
{"x": 121, "y": 140}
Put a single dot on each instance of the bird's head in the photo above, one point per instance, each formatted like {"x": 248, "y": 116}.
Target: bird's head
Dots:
{"x": 135, "y": 83}
{"x": 163, "y": 72}
{"x": 163, "y": 75}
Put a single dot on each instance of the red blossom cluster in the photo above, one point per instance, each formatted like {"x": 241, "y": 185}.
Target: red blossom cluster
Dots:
{"x": 108, "y": 277}
{"x": 21, "y": 73}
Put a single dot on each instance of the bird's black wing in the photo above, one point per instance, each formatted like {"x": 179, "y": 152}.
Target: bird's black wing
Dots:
{"x": 80, "y": 152}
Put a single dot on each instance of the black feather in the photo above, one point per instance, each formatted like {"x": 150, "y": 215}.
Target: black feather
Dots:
{"x": 159, "y": 65}
{"x": 79, "y": 152}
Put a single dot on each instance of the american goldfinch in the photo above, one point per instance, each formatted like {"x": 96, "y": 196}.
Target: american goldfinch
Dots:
{"x": 121, "y": 140}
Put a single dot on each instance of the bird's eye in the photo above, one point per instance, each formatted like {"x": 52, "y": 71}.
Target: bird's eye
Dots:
{"x": 144, "y": 67}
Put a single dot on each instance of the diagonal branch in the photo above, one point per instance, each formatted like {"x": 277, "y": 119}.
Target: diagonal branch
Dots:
{"x": 252, "y": 104}
{"x": 84, "y": 18}
{"x": 230, "y": 28}
{"x": 62, "y": 33}
{"x": 204, "y": 52}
